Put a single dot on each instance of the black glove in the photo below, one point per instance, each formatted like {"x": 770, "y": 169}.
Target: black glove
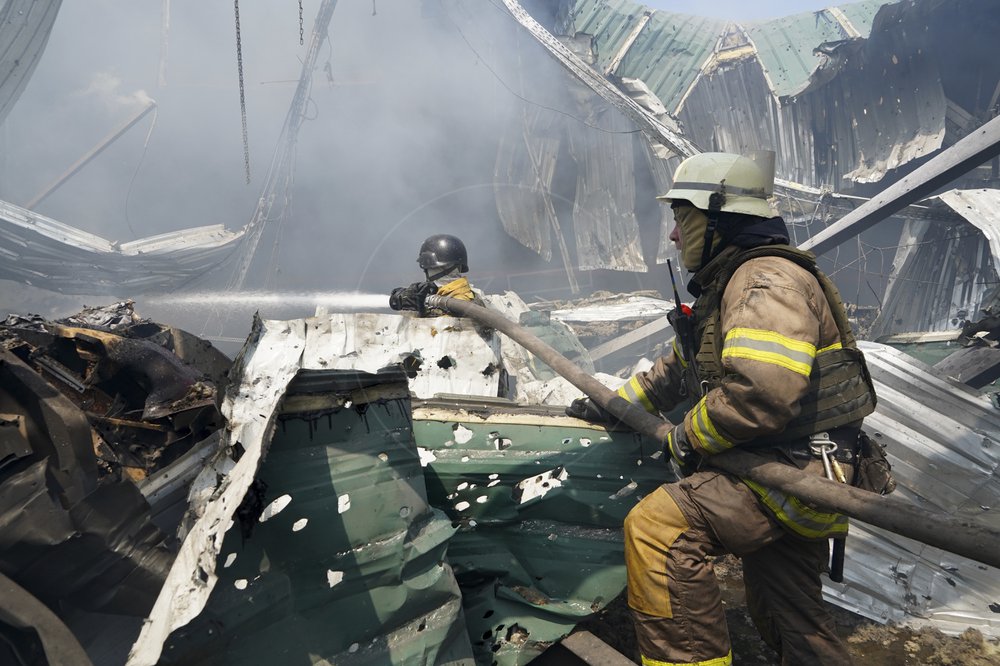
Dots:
{"x": 683, "y": 458}
{"x": 412, "y": 297}
{"x": 588, "y": 410}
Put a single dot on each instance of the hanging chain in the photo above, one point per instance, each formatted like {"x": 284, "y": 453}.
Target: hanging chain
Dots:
{"x": 301, "y": 29}
{"x": 243, "y": 99}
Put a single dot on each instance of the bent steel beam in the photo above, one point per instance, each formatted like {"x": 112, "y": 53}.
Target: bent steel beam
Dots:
{"x": 967, "y": 154}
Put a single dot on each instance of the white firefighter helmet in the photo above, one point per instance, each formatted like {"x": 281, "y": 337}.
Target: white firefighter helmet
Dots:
{"x": 745, "y": 182}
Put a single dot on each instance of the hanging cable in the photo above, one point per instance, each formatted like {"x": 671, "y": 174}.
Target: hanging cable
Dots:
{"x": 302, "y": 32}
{"x": 243, "y": 100}
{"x": 128, "y": 192}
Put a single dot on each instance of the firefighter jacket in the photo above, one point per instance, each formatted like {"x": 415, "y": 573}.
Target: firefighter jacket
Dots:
{"x": 776, "y": 362}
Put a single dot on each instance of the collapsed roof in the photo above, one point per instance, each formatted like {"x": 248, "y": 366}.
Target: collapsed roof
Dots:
{"x": 850, "y": 99}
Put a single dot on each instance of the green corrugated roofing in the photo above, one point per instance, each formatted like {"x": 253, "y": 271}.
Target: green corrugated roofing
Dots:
{"x": 862, "y": 14}
{"x": 670, "y": 50}
{"x": 785, "y": 46}
{"x": 668, "y": 53}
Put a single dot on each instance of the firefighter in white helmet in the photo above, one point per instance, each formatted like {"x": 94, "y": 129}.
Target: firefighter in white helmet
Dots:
{"x": 769, "y": 364}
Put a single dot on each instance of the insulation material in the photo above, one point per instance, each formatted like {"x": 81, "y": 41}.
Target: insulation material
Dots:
{"x": 440, "y": 354}
{"x": 943, "y": 441}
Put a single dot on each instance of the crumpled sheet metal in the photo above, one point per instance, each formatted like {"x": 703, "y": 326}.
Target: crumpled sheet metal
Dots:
{"x": 982, "y": 209}
{"x": 24, "y": 31}
{"x": 540, "y": 498}
{"x": 346, "y": 562}
{"x": 272, "y": 357}
{"x": 522, "y": 177}
{"x": 43, "y": 252}
{"x": 529, "y": 381}
{"x": 260, "y": 375}
{"x": 100, "y": 554}
{"x": 619, "y": 309}
{"x": 943, "y": 441}
{"x": 446, "y": 354}
{"x": 941, "y": 273}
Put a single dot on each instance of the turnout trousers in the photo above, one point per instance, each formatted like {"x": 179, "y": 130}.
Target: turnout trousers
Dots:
{"x": 674, "y": 596}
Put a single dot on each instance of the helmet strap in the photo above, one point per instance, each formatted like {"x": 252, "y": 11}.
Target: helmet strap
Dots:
{"x": 715, "y": 203}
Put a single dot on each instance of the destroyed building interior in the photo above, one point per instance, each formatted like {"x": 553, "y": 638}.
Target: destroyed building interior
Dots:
{"x": 218, "y": 444}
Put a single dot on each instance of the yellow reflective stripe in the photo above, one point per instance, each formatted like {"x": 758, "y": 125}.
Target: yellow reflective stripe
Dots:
{"x": 770, "y": 347}
{"x": 460, "y": 289}
{"x": 800, "y": 518}
{"x": 678, "y": 353}
{"x": 718, "y": 661}
{"x": 835, "y": 345}
{"x": 633, "y": 392}
{"x": 705, "y": 432}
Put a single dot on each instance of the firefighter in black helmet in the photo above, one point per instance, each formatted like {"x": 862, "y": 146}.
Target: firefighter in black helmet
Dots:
{"x": 443, "y": 259}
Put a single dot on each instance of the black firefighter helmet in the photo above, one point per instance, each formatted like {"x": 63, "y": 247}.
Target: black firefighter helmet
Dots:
{"x": 441, "y": 253}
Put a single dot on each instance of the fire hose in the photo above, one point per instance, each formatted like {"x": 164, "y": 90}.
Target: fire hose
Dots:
{"x": 962, "y": 536}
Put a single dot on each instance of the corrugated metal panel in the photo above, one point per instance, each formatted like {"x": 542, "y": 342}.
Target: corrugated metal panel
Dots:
{"x": 40, "y": 251}
{"x": 667, "y": 54}
{"x": 943, "y": 441}
{"x": 942, "y": 271}
{"x": 732, "y": 110}
{"x": 872, "y": 117}
{"x": 541, "y": 499}
{"x": 862, "y": 14}
{"x": 522, "y": 177}
{"x": 24, "y": 31}
{"x": 607, "y": 233}
{"x": 982, "y": 209}
{"x": 785, "y": 48}
{"x": 260, "y": 377}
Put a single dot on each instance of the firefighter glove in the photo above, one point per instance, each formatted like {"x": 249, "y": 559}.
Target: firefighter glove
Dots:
{"x": 683, "y": 458}
{"x": 588, "y": 410}
{"x": 412, "y": 297}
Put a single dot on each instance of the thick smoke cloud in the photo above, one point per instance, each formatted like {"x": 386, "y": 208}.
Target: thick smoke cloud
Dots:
{"x": 400, "y": 139}
{"x": 408, "y": 102}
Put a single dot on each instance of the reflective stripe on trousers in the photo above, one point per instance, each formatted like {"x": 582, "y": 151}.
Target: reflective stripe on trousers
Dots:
{"x": 675, "y": 599}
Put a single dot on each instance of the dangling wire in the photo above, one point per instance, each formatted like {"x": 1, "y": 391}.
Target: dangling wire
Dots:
{"x": 243, "y": 100}
{"x": 145, "y": 149}
{"x": 302, "y": 32}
